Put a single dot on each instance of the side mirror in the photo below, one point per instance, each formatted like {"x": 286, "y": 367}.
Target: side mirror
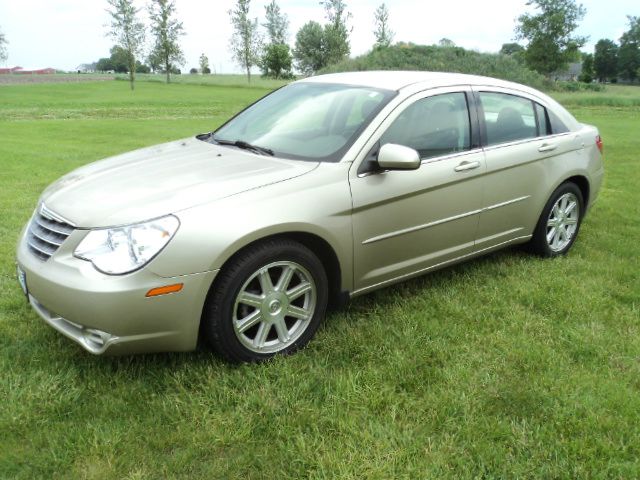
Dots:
{"x": 398, "y": 157}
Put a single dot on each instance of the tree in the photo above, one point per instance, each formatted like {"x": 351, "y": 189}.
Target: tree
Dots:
{"x": 605, "y": 60}
{"x": 309, "y": 52}
{"x": 119, "y": 59}
{"x": 511, "y": 48}
{"x": 551, "y": 45}
{"x": 246, "y": 41}
{"x": 142, "y": 68}
{"x": 127, "y": 31}
{"x": 276, "y": 61}
{"x": 586, "y": 75}
{"x": 104, "y": 65}
{"x": 118, "y": 62}
{"x": 446, "y": 43}
{"x": 167, "y": 30}
{"x": 277, "y": 24}
{"x": 154, "y": 61}
{"x": 384, "y": 35}
{"x": 629, "y": 52}
{"x": 204, "y": 64}
{"x": 336, "y": 32}
{"x": 4, "y": 55}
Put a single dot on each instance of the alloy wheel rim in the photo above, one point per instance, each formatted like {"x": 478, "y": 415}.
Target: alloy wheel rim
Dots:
{"x": 274, "y": 307}
{"x": 563, "y": 222}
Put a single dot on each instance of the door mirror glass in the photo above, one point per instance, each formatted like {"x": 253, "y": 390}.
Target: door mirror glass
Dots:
{"x": 398, "y": 157}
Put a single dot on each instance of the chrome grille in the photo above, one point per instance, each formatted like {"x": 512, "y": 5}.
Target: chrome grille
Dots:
{"x": 46, "y": 234}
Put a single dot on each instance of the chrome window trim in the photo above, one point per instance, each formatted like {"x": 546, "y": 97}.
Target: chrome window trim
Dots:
{"x": 523, "y": 141}
{"x": 384, "y": 123}
{"x": 429, "y": 160}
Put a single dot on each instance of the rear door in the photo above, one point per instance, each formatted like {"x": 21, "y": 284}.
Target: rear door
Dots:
{"x": 519, "y": 146}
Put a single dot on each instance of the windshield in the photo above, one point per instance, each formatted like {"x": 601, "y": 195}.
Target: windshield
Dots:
{"x": 307, "y": 121}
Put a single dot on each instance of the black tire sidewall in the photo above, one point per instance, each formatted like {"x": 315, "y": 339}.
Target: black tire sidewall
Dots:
{"x": 217, "y": 319}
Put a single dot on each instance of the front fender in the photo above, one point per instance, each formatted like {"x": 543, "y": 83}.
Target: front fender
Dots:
{"x": 318, "y": 204}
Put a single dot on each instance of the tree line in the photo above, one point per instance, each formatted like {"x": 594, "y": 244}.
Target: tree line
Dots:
{"x": 551, "y": 44}
{"x": 316, "y": 46}
{"x": 253, "y": 44}
{"x": 611, "y": 60}
{"x": 129, "y": 31}
{"x": 548, "y": 34}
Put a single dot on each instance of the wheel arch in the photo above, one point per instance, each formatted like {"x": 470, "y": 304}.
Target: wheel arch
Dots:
{"x": 325, "y": 252}
{"x": 582, "y": 183}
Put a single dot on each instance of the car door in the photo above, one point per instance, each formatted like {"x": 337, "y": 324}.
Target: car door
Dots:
{"x": 405, "y": 222}
{"x": 519, "y": 145}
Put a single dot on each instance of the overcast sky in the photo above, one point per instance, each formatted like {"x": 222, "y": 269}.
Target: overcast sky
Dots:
{"x": 66, "y": 33}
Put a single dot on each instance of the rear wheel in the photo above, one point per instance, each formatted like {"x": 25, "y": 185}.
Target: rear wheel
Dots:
{"x": 559, "y": 222}
{"x": 269, "y": 300}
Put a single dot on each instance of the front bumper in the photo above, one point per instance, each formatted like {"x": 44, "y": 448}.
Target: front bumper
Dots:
{"x": 111, "y": 314}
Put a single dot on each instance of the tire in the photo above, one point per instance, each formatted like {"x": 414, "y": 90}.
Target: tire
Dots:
{"x": 269, "y": 300}
{"x": 559, "y": 223}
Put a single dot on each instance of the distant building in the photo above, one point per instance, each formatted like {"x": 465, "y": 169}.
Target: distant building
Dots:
{"x": 21, "y": 71}
{"x": 6, "y": 71}
{"x": 87, "y": 68}
{"x": 571, "y": 73}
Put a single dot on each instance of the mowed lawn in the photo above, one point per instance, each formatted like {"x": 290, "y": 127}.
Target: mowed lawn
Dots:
{"x": 509, "y": 366}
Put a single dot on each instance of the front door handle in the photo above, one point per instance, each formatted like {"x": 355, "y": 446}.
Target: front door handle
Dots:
{"x": 467, "y": 166}
{"x": 547, "y": 147}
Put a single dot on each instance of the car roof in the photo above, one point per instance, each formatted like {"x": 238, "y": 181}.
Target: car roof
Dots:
{"x": 397, "y": 80}
{"x": 414, "y": 80}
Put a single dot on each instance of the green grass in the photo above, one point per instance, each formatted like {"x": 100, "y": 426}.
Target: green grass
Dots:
{"x": 504, "y": 367}
{"x": 226, "y": 80}
{"x": 612, "y": 96}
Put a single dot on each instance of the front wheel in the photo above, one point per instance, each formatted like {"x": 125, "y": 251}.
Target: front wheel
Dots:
{"x": 269, "y": 300}
{"x": 559, "y": 222}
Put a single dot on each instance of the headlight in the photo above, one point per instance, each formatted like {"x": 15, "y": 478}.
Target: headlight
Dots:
{"x": 120, "y": 250}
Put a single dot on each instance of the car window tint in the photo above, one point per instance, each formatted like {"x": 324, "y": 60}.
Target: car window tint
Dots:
{"x": 433, "y": 126}
{"x": 543, "y": 122}
{"x": 507, "y": 117}
{"x": 557, "y": 125}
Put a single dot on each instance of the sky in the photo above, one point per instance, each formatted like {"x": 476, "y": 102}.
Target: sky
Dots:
{"x": 66, "y": 33}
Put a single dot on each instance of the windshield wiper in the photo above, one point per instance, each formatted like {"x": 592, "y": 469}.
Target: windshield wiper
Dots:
{"x": 244, "y": 145}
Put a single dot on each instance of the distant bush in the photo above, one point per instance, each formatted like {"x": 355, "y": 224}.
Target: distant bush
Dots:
{"x": 407, "y": 56}
{"x": 578, "y": 87}
{"x": 193, "y": 71}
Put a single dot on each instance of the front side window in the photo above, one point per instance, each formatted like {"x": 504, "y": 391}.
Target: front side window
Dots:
{"x": 306, "y": 121}
{"x": 434, "y": 126}
{"x": 508, "y": 118}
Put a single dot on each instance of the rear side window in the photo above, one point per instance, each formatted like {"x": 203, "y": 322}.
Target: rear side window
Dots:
{"x": 543, "y": 122}
{"x": 434, "y": 126}
{"x": 557, "y": 125}
{"x": 508, "y": 118}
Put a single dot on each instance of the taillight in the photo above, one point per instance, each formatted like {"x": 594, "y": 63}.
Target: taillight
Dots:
{"x": 599, "y": 143}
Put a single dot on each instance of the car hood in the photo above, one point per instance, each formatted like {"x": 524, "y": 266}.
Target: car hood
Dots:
{"x": 155, "y": 181}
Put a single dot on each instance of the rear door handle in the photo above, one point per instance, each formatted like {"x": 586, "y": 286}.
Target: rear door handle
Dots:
{"x": 467, "y": 166}
{"x": 547, "y": 147}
